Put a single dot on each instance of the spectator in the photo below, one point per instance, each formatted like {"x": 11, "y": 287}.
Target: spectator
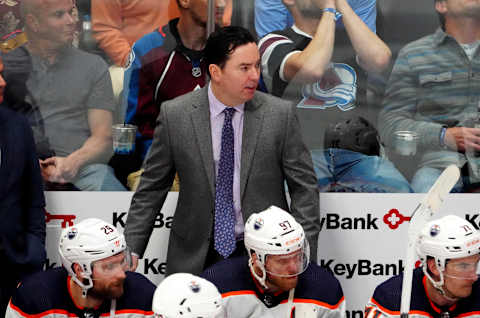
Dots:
{"x": 233, "y": 149}
{"x": 272, "y": 15}
{"x": 165, "y": 64}
{"x": 73, "y": 92}
{"x": 430, "y": 92}
{"x": 93, "y": 281}
{"x": 22, "y": 216}
{"x": 188, "y": 296}
{"x": 117, "y": 24}
{"x": 297, "y": 66}
{"x": 446, "y": 284}
{"x": 11, "y": 26}
{"x": 277, "y": 280}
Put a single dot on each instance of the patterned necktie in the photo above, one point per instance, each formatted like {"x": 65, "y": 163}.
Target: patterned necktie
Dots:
{"x": 224, "y": 234}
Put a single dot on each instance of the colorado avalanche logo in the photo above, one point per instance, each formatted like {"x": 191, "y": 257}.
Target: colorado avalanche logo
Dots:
{"x": 337, "y": 88}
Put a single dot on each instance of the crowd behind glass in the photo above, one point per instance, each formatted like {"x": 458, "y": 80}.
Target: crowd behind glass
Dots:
{"x": 376, "y": 119}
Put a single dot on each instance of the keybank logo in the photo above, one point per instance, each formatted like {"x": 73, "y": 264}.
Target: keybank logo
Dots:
{"x": 394, "y": 218}
{"x": 67, "y": 219}
{"x": 333, "y": 221}
{"x": 362, "y": 267}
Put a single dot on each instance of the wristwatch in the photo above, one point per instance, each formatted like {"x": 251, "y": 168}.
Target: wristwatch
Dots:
{"x": 337, "y": 14}
{"x": 442, "y": 137}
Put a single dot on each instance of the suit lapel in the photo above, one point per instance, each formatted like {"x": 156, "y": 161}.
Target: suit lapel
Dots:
{"x": 252, "y": 126}
{"x": 200, "y": 116}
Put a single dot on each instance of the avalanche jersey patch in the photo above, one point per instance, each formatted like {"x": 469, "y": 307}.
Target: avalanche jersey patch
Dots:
{"x": 337, "y": 88}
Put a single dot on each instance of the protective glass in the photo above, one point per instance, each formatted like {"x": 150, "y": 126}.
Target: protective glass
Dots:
{"x": 463, "y": 270}
{"x": 289, "y": 265}
{"x": 108, "y": 267}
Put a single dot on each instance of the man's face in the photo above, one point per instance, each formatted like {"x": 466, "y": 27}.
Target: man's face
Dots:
{"x": 199, "y": 11}
{"x": 108, "y": 276}
{"x": 282, "y": 270}
{"x": 2, "y": 82}
{"x": 56, "y": 23}
{"x": 460, "y": 8}
{"x": 238, "y": 79}
{"x": 459, "y": 276}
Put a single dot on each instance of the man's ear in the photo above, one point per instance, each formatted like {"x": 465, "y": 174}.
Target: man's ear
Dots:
{"x": 441, "y": 6}
{"x": 255, "y": 263}
{"x": 32, "y": 22}
{"x": 215, "y": 72}
{"x": 432, "y": 267}
{"x": 77, "y": 269}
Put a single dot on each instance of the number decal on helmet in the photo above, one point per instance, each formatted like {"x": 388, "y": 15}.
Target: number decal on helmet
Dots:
{"x": 285, "y": 225}
{"x": 106, "y": 229}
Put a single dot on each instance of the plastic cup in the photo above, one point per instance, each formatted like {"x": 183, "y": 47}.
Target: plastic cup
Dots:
{"x": 124, "y": 138}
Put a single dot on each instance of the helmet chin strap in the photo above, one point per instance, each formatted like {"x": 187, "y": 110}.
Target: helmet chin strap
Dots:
{"x": 262, "y": 279}
{"x": 440, "y": 287}
{"x": 84, "y": 287}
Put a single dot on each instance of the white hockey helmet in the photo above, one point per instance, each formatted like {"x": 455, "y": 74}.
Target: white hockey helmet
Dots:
{"x": 449, "y": 237}
{"x": 188, "y": 296}
{"x": 86, "y": 242}
{"x": 275, "y": 232}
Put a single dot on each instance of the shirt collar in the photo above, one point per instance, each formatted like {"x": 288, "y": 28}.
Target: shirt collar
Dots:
{"x": 439, "y": 37}
{"x": 217, "y": 107}
{"x": 297, "y": 30}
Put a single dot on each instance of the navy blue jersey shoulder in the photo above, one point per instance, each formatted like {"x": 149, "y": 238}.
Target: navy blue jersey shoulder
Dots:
{"x": 138, "y": 293}
{"x": 388, "y": 295}
{"x": 54, "y": 295}
{"x": 43, "y": 291}
{"x": 232, "y": 274}
{"x": 318, "y": 283}
{"x": 315, "y": 283}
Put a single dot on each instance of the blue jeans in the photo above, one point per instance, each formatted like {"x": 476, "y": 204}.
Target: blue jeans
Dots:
{"x": 97, "y": 177}
{"x": 425, "y": 177}
{"x": 340, "y": 170}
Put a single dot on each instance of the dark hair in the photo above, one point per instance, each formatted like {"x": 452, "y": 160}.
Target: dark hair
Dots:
{"x": 222, "y": 42}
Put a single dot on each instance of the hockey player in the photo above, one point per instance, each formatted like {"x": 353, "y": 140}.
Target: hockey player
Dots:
{"x": 92, "y": 282}
{"x": 188, "y": 296}
{"x": 446, "y": 284}
{"x": 277, "y": 280}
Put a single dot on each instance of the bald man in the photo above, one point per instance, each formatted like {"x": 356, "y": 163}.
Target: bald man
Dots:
{"x": 73, "y": 92}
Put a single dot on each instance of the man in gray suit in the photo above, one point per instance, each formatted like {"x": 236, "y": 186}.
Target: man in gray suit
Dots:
{"x": 192, "y": 139}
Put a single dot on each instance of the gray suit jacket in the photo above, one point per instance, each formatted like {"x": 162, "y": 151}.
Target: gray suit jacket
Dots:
{"x": 272, "y": 152}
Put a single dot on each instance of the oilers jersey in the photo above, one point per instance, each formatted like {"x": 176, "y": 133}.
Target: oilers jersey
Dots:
{"x": 47, "y": 294}
{"x": 387, "y": 297}
{"x": 318, "y": 293}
